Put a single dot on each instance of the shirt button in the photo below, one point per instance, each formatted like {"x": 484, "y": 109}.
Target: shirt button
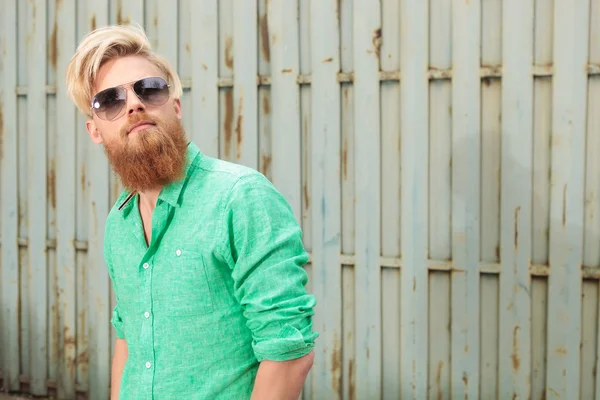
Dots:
{"x": 146, "y": 265}
{"x": 148, "y": 365}
{"x": 178, "y": 252}
{"x": 147, "y": 314}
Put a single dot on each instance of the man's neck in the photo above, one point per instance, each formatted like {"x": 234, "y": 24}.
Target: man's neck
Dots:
{"x": 149, "y": 198}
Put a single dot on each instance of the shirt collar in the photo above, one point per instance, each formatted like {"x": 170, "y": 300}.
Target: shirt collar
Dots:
{"x": 171, "y": 192}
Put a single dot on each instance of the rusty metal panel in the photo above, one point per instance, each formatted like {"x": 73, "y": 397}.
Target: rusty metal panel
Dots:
{"x": 414, "y": 128}
{"x": 9, "y": 257}
{"x": 367, "y": 134}
{"x": 284, "y": 102}
{"x": 205, "y": 74}
{"x": 516, "y": 200}
{"x": 325, "y": 193}
{"x": 37, "y": 218}
{"x": 440, "y": 209}
{"x": 589, "y": 346}
{"x": 567, "y": 194}
{"x": 98, "y": 290}
{"x": 466, "y": 187}
{"x": 390, "y": 333}
{"x": 64, "y": 39}
{"x": 245, "y": 90}
{"x": 389, "y": 59}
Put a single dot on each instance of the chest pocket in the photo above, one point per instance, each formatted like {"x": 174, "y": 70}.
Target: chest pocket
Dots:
{"x": 182, "y": 288}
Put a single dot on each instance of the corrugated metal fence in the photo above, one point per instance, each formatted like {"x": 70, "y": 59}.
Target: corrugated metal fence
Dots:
{"x": 442, "y": 157}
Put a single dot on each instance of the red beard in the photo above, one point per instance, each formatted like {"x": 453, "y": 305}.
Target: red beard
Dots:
{"x": 149, "y": 158}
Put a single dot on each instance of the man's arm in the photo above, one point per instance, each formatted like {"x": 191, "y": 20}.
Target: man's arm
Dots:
{"x": 281, "y": 380}
{"x": 118, "y": 364}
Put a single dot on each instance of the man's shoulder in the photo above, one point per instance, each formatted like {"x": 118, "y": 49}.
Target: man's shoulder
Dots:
{"x": 226, "y": 173}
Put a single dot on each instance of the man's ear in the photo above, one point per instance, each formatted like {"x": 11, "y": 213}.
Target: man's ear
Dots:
{"x": 93, "y": 131}
{"x": 177, "y": 106}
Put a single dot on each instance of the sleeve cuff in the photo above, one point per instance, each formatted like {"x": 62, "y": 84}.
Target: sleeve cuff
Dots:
{"x": 117, "y": 323}
{"x": 290, "y": 344}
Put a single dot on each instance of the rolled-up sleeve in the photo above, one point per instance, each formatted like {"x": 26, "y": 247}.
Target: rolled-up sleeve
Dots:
{"x": 264, "y": 249}
{"x": 115, "y": 320}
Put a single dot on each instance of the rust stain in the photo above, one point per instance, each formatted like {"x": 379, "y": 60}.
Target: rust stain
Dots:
{"x": 266, "y": 105}
{"x": 239, "y": 129}
{"x": 93, "y": 22}
{"x": 286, "y": 70}
{"x": 155, "y": 21}
{"x": 414, "y": 283}
{"x": 345, "y": 159}
{"x": 228, "y": 52}
{"x": 562, "y": 351}
{"x": 377, "y": 42}
{"x": 351, "y": 383}
{"x": 497, "y": 252}
{"x": 53, "y": 51}
{"x": 264, "y": 36}
{"x": 516, "y": 360}
{"x": 336, "y": 365}
{"x": 306, "y": 196}
{"x": 543, "y": 397}
{"x": 564, "y": 210}
{"x": 120, "y": 19}
{"x": 368, "y": 353}
{"x": 517, "y": 212}
{"x": 438, "y": 380}
{"x": 327, "y": 60}
{"x": 188, "y": 48}
{"x": 487, "y": 81}
{"x": 228, "y": 121}
{"x": 465, "y": 379}
{"x": 466, "y": 348}
{"x": 82, "y": 181}
{"x": 51, "y": 184}
{"x": 266, "y": 164}
{"x": 204, "y": 67}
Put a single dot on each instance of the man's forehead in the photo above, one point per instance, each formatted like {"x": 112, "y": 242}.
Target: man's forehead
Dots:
{"x": 124, "y": 70}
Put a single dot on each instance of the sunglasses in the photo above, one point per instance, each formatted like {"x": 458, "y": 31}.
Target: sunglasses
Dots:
{"x": 109, "y": 104}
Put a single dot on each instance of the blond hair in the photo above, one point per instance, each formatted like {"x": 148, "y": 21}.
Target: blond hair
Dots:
{"x": 105, "y": 44}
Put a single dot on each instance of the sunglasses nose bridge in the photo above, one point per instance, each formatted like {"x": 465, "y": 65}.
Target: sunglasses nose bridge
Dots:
{"x": 132, "y": 100}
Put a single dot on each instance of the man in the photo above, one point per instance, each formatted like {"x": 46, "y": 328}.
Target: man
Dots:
{"x": 205, "y": 256}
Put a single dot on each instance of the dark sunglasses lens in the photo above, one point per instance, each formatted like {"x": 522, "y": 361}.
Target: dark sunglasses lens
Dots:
{"x": 153, "y": 91}
{"x": 109, "y": 103}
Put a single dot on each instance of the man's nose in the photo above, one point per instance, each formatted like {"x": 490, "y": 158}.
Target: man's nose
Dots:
{"x": 134, "y": 104}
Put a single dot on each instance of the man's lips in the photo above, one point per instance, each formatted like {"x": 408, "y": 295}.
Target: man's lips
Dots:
{"x": 140, "y": 126}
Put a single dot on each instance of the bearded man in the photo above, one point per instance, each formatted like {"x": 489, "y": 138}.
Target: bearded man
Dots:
{"x": 205, "y": 256}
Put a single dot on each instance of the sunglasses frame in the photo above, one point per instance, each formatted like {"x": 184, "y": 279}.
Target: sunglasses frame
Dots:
{"x": 125, "y": 86}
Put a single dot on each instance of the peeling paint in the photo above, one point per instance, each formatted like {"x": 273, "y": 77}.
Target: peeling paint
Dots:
{"x": 229, "y": 52}
{"x": 239, "y": 126}
{"x": 228, "y": 123}
{"x": 517, "y": 212}
{"x": 53, "y": 50}
{"x": 438, "y": 380}
{"x": 352, "y": 381}
{"x": 336, "y": 365}
{"x": 377, "y": 42}
{"x": 266, "y": 105}
{"x": 516, "y": 360}
{"x": 51, "y": 184}
{"x": 82, "y": 180}
{"x": 264, "y": 38}
{"x": 286, "y": 71}
{"x": 345, "y": 158}
{"x": 327, "y": 60}
{"x": 265, "y": 164}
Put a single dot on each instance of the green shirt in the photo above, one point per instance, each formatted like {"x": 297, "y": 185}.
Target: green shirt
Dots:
{"x": 220, "y": 288}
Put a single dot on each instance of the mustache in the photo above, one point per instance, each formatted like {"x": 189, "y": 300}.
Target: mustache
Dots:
{"x": 135, "y": 119}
